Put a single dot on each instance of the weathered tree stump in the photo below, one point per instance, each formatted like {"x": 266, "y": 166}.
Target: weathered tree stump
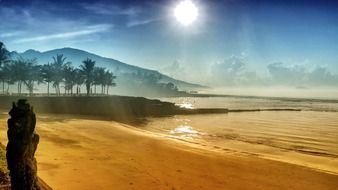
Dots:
{"x": 21, "y": 147}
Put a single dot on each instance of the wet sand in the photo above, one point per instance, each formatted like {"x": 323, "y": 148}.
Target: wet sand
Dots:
{"x": 91, "y": 154}
{"x": 306, "y": 138}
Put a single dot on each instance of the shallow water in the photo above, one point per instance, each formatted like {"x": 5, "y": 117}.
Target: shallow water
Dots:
{"x": 255, "y": 103}
{"x": 308, "y": 138}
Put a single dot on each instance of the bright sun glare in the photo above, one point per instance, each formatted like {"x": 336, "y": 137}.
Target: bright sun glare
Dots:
{"x": 186, "y": 12}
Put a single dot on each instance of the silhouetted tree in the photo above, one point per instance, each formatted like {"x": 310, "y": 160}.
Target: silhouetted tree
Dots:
{"x": 18, "y": 72}
{"x": 4, "y": 76}
{"x": 32, "y": 75}
{"x": 87, "y": 69}
{"x": 59, "y": 62}
{"x": 109, "y": 80}
{"x": 27, "y": 72}
{"x": 99, "y": 78}
{"x": 47, "y": 74}
{"x": 7, "y": 76}
{"x": 24, "y": 71}
{"x": 79, "y": 80}
{"x": 4, "y": 59}
{"x": 70, "y": 78}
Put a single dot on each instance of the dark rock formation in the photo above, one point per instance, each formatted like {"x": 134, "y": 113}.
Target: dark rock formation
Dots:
{"x": 21, "y": 147}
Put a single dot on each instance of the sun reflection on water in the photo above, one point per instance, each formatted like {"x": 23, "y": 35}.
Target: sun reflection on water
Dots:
{"x": 186, "y": 105}
{"x": 185, "y": 131}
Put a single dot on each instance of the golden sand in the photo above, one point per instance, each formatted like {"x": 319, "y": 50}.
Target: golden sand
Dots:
{"x": 91, "y": 154}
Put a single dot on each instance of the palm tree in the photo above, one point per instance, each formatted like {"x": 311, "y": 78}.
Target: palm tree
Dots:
{"x": 70, "y": 78}
{"x": 88, "y": 71}
{"x": 18, "y": 72}
{"x": 30, "y": 82}
{"x": 7, "y": 76}
{"x": 33, "y": 75}
{"x": 3, "y": 76}
{"x": 59, "y": 63}
{"x": 99, "y": 77}
{"x": 47, "y": 74}
{"x": 25, "y": 71}
{"x": 4, "y": 59}
{"x": 109, "y": 80}
{"x": 4, "y": 54}
{"x": 79, "y": 80}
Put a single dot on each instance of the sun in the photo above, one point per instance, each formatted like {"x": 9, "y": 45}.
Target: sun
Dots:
{"x": 186, "y": 12}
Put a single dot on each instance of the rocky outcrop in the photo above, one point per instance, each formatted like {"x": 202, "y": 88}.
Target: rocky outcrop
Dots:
{"x": 21, "y": 147}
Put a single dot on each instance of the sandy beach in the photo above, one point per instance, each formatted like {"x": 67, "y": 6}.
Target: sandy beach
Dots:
{"x": 305, "y": 138}
{"x": 92, "y": 154}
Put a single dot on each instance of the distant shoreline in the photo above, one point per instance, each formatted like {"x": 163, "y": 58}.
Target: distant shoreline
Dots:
{"x": 118, "y": 108}
{"x": 295, "y": 99}
{"x": 186, "y": 94}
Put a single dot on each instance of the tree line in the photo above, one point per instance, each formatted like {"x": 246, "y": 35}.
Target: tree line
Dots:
{"x": 26, "y": 72}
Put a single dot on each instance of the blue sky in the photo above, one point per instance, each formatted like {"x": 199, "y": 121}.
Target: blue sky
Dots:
{"x": 297, "y": 34}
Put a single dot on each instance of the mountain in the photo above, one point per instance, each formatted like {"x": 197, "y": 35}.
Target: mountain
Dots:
{"x": 123, "y": 71}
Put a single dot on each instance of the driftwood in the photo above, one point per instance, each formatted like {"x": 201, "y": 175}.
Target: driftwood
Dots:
{"x": 21, "y": 147}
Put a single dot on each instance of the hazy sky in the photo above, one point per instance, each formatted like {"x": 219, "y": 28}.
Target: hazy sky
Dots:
{"x": 246, "y": 40}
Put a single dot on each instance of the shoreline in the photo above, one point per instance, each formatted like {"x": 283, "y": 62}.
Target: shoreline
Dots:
{"x": 225, "y": 151}
{"x": 86, "y": 154}
{"x": 142, "y": 121}
{"x": 91, "y": 150}
{"x": 150, "y": 161}
{"x": 293, "y": 99}
{"x": 284, "y": 136}
{"x": 123, "y": 109}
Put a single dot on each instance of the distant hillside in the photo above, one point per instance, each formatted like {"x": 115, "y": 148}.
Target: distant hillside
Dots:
{"x": 120, "y": 69}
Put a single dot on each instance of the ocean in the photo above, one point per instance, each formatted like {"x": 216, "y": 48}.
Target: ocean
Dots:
{"x": 308, "y": 137}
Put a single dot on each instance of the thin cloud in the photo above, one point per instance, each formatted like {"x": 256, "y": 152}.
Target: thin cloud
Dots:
{"x": 133, "y": 14}
{"x": 10, "y": 34}
{"x": 86, "y": 31}
{"x": 104, "y": 9}
{"x": 134, "y": 23}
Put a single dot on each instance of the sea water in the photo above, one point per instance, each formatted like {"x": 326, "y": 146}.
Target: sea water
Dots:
{"x": 308, "y": 137}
